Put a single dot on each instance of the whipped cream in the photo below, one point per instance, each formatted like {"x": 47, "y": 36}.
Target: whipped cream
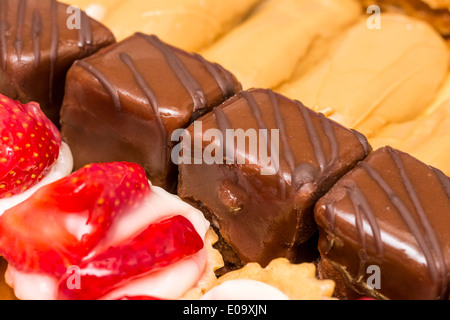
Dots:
{"x": 168, "y": 283}
{"x": 60, "y": 169}
{"x": 244, "y": 289}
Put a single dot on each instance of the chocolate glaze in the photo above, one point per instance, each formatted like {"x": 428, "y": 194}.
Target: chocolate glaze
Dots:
{"x": 182, "y": 73}
{"x": 405, "y": 205}
{"x": 262, "y": 217}
{"x": 107, "y": 85}
{"x": 37, "y": 48}
{"x": 124, "y": 103}
{"x": 37, "y": 33}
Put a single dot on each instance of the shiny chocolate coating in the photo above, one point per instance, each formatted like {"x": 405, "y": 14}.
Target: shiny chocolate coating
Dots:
{"x": 124, "y": 103}
{"x": 37, "y": 48}
{"x": 263, "y": 217}
{"x": 391, "y": 212}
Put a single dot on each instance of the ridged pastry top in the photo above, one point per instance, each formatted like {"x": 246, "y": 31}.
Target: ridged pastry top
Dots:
{"x": 425, "y": 137}
{"x": 376, "y": 77}
{"x": 265, "y": 49}
{"x": 188, "y": 24}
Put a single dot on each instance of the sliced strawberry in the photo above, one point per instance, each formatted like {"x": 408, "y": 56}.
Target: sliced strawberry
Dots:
{"x": 61, "y": 223}
{"x": 160, "y": 245}
{"x": 29, "y": 145}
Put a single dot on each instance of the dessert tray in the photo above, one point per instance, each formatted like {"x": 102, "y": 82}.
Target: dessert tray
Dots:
{"x": 224, "y": 150}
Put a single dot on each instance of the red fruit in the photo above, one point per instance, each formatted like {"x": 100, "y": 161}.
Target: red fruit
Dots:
{"x": 61, "y": 223}
{"x": 29, "y": 145}
{"x": 160, "y": 245}
{"x": 139, "y": 298}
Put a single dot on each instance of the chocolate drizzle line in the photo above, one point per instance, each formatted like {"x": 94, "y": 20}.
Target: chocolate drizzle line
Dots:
{"x": 435, "y": 268}
{"x": 314, "y": 137}
{"x": 192, "y": 86}
{"x": 288, "y": 154}
{"x": 334, "y": 145}
{"x": 53, "y": 46}
{"x": 223, "y": 122}
{"x": 112, "y": 91}
{"x": 444, "y": 180}
{"x": 148, "y": 92}
{"x": 256, "y": 111}
{"x": 18, "y": 43}
{"x": 3, "y": 28}
{"x": 36, "y": 36}
{"x": 85, "y": 35}
{"x": 439, "y": 261}
{"x": 362, "y": 207}
{"x": 225, "y": 83}
{"x": 228, "y": 79}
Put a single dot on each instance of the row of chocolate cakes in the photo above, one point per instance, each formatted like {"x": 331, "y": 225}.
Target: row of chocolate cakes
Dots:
{"x": 132, "y": 101}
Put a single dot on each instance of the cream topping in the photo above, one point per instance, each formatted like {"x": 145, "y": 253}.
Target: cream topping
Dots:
{"x": 243, "y": 289}
{"x": 169, "y": 283}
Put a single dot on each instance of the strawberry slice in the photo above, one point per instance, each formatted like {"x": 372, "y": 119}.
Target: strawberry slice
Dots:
{"x": 29, "y": 145}
{"x": 61, "y": 223}
{"x": 160, "y": 245}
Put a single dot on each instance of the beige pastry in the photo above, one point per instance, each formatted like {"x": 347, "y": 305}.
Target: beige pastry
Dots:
{"x": 265, "y": 50}
{"x": 374, "y": 77}
{"x": 189, "y": 24}
{"x": 435, "y": 12}
{"x": 427, "y": 137}
{"x": 295, "y": 281}
{"x": 97, "y": 9}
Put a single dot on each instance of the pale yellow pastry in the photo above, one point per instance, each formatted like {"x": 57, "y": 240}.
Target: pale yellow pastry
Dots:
{"x": 427, "y": 137}
{"x": 188, "y": 24}
{"x": 438, "y": 4}
{"x": 97, "y": 9}
{"x": 374, "y": 77}
{"x": 296, "y": 281}
{"x": 435, "y": 12}
{"x": 265, "y": 50}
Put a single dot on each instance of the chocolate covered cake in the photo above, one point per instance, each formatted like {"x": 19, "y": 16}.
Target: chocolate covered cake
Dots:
{"x": 37, "y": 47}
{"x": 264, "y": 209}
{"x": 384, "y": 229}
{"x": 173, "y": 178}
{"x": 124, "y": 103}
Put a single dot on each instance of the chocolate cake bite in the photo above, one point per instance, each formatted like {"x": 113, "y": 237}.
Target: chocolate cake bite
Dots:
{"x": 384, "y": 229}
{"x": 125, "y": 102}
{"x": 264, "y": 209}
{"x": 37, "y": 47}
